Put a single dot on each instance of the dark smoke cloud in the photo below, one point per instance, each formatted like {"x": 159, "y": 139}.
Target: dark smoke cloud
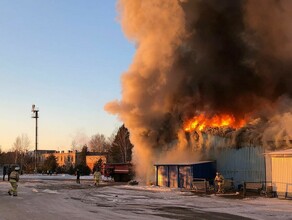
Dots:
{"x": 201, "y": 56}
{"x": 232, "y": 64}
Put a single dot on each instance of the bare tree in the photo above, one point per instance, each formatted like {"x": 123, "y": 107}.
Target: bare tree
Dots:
{"x": 1, "y": 154}
{"x": 79, "y": 140}
{"x": 20, "y": 147}
{"x": 74, "y": 146}
{"x": 111, "y": 138}
{"x": 98, "y": 143}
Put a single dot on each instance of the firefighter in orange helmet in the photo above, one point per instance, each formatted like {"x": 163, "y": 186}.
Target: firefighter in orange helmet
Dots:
{"x": 97, "y": 176}
{"x": 219, "y": 182}
{"x": 14, "y": 178}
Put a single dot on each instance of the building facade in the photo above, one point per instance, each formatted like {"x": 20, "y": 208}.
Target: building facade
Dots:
{"x": 64, "y": 159}
{"x": 73, "y": 158}
{"x": 92, "y": 158}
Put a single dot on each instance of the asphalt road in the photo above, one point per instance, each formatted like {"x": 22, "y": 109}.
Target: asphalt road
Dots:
{"x": 64, "y": 199}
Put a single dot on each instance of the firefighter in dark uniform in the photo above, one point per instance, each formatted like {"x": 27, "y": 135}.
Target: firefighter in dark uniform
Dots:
{"x": 4, "y": 172}
{"x": 78, "y": 176}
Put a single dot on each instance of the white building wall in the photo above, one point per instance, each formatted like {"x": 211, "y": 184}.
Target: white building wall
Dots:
{"x": 282, "y": 175}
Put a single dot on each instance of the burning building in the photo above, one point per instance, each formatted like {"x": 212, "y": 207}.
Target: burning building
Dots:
{"x": 206, "y": 75}
{"x": 182, "y": 175}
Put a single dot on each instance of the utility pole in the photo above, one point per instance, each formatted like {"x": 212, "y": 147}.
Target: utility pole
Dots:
{"x": 35, "y": 114}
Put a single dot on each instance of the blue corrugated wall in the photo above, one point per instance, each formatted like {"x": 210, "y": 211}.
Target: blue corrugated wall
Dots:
{"x": 244, "y": 164}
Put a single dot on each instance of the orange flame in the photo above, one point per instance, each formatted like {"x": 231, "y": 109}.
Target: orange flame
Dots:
{"x": 200, "y": 122}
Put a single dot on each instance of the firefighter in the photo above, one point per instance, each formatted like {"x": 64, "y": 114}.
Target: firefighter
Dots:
{"x": 219, "y": 181}
{"x": 14, "y": 178}
{"x": 96, "y": 176}
{"x": 78, "y": 176}
{"x": 4, "y": 172}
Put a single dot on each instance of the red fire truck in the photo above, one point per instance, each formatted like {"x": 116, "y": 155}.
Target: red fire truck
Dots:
{"x": 121, "y": 172}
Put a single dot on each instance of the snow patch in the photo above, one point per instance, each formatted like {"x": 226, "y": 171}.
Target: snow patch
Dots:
{"x": 50, "y": 191}
{"x": 34, "y": 190}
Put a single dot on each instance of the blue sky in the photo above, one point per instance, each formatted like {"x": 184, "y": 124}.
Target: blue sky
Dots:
{"x": 66, "y": 57}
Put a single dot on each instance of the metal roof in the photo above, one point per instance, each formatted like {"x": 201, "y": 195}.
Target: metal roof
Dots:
{"x": 281, "y": 152}
{"x": 182, "y": 164}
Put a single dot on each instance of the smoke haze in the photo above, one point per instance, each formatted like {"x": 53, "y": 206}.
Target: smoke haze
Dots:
{"x": 211, "y": 57}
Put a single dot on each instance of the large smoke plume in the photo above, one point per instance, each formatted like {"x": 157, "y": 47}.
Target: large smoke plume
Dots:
{"x": 204, "y": 56}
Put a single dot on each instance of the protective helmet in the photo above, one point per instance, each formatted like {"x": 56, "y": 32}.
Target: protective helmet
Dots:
{"x": 17, "y": 168}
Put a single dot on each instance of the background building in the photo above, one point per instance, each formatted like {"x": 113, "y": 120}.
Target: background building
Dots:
{"x": 92, "y": 158}
{"x": 64, "y": 159}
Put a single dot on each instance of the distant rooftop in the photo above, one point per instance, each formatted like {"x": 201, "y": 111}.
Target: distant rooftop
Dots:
{"x": 182, "y": 164}
{"x": 281, "y": 152}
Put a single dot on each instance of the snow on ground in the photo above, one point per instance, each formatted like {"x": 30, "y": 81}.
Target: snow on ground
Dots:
{"x": 61, "y": 177}
{"x": 60, "y": 197}
{"x": 53, "y": 176}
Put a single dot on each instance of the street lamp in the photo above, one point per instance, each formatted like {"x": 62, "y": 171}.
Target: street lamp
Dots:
{"x": 35, "y": 114}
